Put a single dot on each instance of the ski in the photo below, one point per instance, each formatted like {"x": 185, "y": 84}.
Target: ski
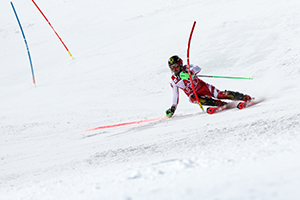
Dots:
{"x": 212, "y": 110}
{"x": 246, "y": 104}
{"x": 239, "y": 105}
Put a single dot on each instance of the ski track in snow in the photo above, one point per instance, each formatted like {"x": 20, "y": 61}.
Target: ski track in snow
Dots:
{"x": 119, "y": 74}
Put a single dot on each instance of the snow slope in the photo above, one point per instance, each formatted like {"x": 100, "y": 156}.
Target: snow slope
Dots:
{"x": 119, "y": 74}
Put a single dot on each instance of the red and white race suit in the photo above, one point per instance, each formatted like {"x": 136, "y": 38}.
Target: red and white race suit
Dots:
{"x": 202, "y": 89}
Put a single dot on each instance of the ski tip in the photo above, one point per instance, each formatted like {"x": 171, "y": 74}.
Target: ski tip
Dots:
{"x": 210, "y": 110}
{"x": 241, "y": 105}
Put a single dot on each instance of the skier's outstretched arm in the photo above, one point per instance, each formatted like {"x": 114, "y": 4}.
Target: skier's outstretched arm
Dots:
{"x": 170, "y": 112}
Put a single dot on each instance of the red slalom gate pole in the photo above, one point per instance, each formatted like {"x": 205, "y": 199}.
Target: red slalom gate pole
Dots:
{"x": 124, "y": 124}
{"x": 52, "y": 28}
{"x": 188, "y": 66}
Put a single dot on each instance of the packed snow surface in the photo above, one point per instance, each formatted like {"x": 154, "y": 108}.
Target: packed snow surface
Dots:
{"x": 119, "y": 74}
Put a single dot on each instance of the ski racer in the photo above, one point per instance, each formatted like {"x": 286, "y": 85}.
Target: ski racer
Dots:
{"x": 207, "y": 94}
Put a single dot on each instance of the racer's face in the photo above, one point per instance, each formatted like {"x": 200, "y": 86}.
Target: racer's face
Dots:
{"x": 175, "y": 68}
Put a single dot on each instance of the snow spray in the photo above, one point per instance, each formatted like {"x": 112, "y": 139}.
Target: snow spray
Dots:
{"x": 52, "y": 28}
{"x": 24, "y": 41}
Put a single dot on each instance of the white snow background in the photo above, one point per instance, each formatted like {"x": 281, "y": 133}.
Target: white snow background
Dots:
{"x": 120, "y": 74}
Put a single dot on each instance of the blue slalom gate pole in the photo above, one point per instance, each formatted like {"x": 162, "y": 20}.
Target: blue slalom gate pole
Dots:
{"x": 25, "y": 42}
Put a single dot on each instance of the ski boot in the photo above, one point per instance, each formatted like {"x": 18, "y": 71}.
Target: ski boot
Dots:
{"x": 212, "y": 102}
{"x": 238, "y": 96}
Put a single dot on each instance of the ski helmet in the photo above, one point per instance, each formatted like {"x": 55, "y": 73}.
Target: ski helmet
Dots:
{"x": 175, "y": 60}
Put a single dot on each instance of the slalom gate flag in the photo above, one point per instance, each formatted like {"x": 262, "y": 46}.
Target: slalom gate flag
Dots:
{"x": 24, "y": 41}
{"x": 52, "y": 28}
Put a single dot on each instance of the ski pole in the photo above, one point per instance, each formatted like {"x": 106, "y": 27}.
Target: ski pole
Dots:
{"x": 186, "y": 76}
{"x": 229, "y": 77}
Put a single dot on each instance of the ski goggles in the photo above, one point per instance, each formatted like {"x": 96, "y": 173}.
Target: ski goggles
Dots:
{"x": 175, "y": 65}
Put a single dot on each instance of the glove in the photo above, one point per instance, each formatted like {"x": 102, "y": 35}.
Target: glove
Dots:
{"x": 170, "y": 112}
{"x": 185, "y": 75}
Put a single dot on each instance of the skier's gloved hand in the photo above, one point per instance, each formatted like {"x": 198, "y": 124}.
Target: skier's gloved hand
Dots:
{"x": 170, "y": 112}
{"x": 185, "y": 75}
